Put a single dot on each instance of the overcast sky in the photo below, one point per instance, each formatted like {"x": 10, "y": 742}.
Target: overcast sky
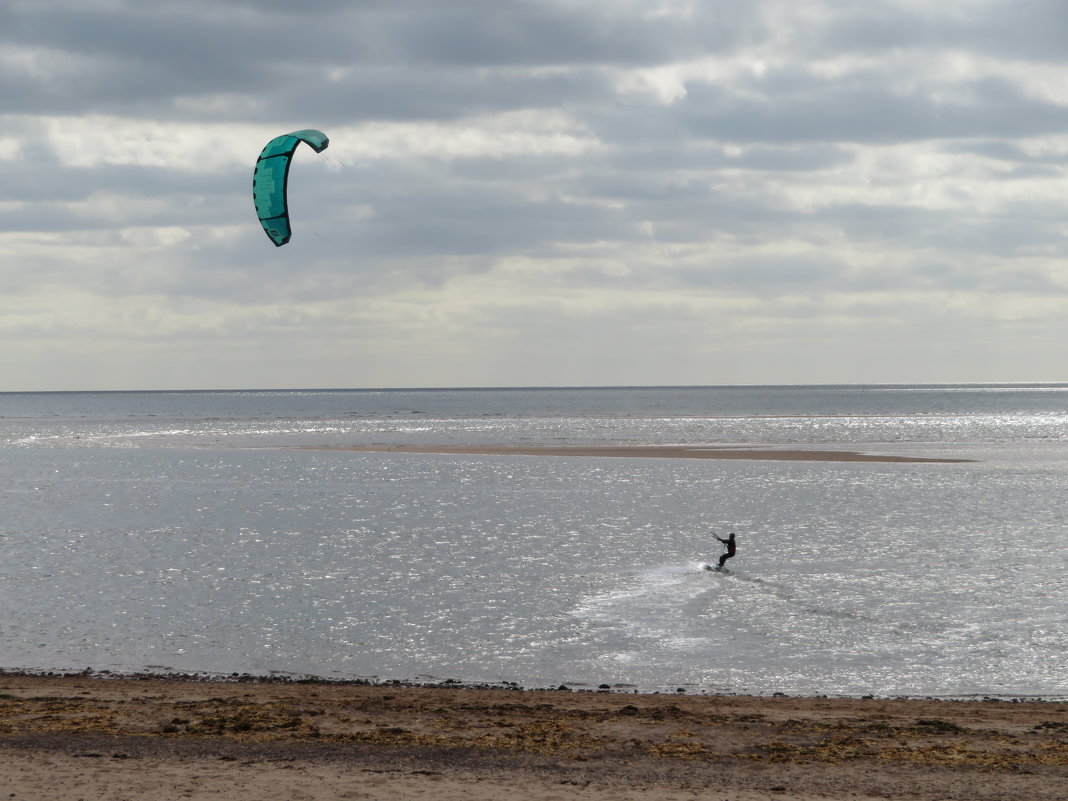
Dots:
{"x": 549, "y": 192}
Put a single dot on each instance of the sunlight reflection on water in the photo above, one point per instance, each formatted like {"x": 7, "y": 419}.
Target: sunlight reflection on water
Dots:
{"x": 851, "y": 578}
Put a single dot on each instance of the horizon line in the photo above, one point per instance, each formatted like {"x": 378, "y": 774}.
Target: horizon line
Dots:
{"x": 551, "y": 387}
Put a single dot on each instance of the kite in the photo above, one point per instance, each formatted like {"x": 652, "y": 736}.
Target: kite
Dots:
{"x": 271, "y": 177}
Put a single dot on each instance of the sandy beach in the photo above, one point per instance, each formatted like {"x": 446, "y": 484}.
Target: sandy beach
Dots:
{"x": 646, "y": 452}
{"x": 93, "y": 737}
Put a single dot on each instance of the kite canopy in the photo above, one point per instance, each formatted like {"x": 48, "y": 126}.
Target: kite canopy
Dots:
{"x": 271, "y": 177}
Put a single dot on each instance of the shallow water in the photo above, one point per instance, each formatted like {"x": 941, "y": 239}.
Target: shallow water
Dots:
{"x": 169, "y": 531}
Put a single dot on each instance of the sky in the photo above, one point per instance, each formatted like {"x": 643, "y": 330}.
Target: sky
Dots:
{"x": 534, "y": 193}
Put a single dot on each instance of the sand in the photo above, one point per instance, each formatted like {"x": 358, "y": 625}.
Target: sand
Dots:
{"x": 646, "y": 451}
{"x": 87, "y": 737}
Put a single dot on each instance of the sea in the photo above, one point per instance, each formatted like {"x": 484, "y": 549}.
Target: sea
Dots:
{"x": 231, "y": 532}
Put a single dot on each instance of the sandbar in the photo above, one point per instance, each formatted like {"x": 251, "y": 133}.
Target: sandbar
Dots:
{"x": 81, "y": 736}
{"x": 647, "y": 452}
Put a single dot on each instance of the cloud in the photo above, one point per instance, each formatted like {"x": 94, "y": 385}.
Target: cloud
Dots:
{"x": 537, "y": 192}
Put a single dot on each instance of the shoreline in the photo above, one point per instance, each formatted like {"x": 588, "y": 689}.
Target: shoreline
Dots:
{"x": 93, "y": 737}
{"x": 767, "y": 453}
{"x": 283, "y": 678}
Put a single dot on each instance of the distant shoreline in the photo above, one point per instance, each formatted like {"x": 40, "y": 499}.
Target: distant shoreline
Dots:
{"x": 769, "y": 454}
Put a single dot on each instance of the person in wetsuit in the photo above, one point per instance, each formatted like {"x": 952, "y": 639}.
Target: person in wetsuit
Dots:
{"x": 731, "y": 549}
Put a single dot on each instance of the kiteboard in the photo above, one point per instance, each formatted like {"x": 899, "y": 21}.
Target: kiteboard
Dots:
{"x": 715, "y": 569}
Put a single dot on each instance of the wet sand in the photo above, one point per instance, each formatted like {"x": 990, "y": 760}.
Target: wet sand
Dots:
{"x": 647, "y": 452}
{"x": 93, "y": 738}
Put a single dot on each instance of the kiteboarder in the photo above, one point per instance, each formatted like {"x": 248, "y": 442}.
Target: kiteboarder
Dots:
{"x": 731, "y": 549}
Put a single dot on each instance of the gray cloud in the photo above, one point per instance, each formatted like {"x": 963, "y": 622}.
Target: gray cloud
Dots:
{"x": 812, "y": 110}
{"x": 607, "y": 165}
{"x": 1007, "y": 151}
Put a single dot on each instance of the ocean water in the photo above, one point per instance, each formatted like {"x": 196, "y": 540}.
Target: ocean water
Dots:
{"x": 215, "y": 532}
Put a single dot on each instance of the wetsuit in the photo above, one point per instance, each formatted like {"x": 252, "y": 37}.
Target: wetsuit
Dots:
{"x": 731, "y": 550}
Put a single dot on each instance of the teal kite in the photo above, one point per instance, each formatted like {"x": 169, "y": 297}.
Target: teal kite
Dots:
{"x": 271, "y": 177}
